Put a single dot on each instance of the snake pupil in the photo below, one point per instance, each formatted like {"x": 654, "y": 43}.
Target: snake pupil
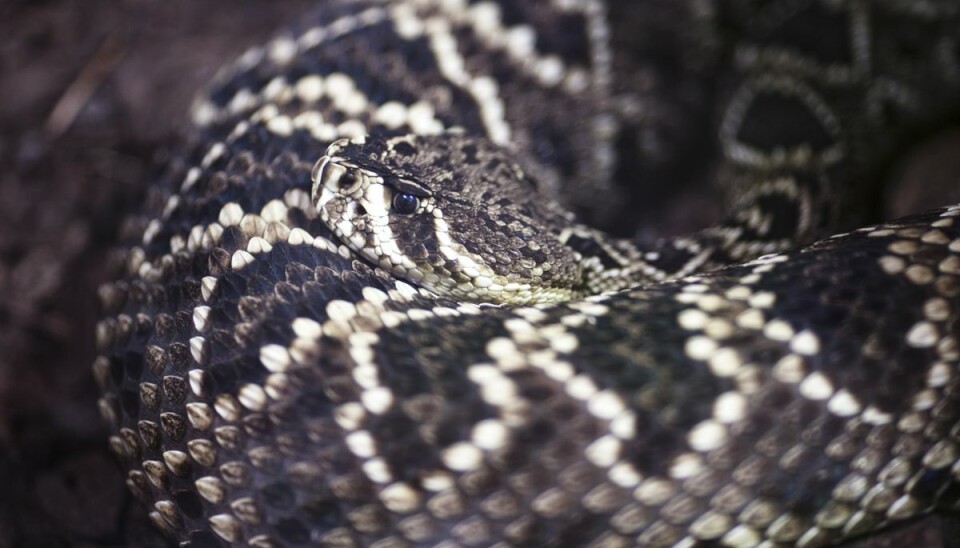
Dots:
{"x": 405, "y": 203}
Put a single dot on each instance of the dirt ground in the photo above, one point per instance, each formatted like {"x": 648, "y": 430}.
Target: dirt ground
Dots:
{"x": 90, "y": 92}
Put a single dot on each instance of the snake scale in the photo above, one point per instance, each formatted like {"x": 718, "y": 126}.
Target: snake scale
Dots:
{"x": 351, "y": 313}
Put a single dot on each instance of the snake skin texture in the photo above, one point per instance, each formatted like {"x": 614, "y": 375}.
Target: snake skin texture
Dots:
{"x": 756, "y": 383}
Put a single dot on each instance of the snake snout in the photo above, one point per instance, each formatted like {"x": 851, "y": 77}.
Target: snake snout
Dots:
{"x": 335, "y": 187}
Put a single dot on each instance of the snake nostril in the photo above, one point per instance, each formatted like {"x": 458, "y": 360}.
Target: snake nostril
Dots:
{"x": 347, "y": 180}
{"x": 361, "y": 210}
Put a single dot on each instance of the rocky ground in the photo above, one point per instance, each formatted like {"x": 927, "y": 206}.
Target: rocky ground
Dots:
{"x": 90, "y": 91}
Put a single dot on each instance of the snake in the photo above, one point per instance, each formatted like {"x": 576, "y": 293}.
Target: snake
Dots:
{"x": 365, "y": 301}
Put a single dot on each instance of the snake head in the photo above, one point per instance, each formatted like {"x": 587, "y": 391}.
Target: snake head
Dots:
{"x": 454, "y": 214}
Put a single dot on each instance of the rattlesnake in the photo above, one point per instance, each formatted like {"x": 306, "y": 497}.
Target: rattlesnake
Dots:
{"x": 350, "y": 314}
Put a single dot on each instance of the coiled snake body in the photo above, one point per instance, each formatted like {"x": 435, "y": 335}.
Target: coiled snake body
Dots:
{"x": 350, "y": 314}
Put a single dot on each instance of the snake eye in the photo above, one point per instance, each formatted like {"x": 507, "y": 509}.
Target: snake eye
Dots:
{"x": 405, "y": 204}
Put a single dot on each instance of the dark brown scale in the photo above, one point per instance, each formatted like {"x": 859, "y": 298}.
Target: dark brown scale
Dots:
{"x": 174, "y": 390}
